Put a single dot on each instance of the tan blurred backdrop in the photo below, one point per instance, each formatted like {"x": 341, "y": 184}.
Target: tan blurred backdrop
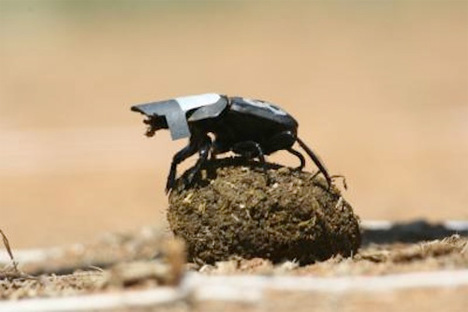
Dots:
{"x": 380, "y": 90}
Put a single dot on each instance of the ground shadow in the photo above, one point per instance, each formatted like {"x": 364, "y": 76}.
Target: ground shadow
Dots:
{"x": 410, "y": 232}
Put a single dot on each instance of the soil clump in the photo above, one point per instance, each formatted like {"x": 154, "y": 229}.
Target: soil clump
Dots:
{"x": 237, "y": 208}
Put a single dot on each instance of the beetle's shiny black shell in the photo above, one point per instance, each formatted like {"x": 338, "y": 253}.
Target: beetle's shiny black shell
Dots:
{"x": 262, "y": 110}
{"x": 248, "y": 120}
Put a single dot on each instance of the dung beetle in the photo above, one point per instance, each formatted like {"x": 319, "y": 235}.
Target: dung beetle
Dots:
{"x": 250, "y": 128}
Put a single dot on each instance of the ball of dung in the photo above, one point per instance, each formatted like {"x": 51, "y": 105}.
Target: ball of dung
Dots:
{"x": 239, "y": 208}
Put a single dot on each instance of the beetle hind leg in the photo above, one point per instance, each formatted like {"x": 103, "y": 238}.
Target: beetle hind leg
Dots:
{"x": 298, "y": 155}
{"x": 285, "y": 140}
{"x": 316, "y": 159}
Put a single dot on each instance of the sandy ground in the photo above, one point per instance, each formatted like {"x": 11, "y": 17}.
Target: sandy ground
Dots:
{"x": 128, "y": 264}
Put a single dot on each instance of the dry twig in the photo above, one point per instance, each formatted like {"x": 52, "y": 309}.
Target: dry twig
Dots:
{"x": 8, "y": 273}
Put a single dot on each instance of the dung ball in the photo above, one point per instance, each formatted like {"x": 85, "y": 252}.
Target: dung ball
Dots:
{"x": 239, "y": 208}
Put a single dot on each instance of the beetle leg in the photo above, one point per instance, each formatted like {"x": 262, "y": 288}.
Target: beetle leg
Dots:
{"x": 316, "y": 159}
{"x": 180, "y": 156}
{"x": 280, "y": 141}
{"x": 298, "y": 155}
{"x": 285, "y": 140}
{"x": 203, "y": 151}
{"x": 217, "y": 148}
{"x": 250, "y": 149}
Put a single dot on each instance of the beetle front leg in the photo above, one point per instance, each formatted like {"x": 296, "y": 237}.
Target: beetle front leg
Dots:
{"x": 180, "y": 156}
{"x": 203, "y": 151}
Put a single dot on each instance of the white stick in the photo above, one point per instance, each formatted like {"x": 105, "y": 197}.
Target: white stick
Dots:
{"x": 126, "y": 299}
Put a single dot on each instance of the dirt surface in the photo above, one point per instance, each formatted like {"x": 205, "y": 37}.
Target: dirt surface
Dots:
{"x": 449, "y": 253}
{"x": 238, "y": 208}
{"x": 75, "y": 274}
{"x": 147, "y": 258}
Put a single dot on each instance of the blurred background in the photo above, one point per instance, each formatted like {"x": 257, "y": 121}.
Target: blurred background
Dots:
{"x": 380, "y": 89}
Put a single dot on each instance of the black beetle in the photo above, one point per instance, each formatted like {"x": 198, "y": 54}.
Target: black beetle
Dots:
{"x": 250, "y": 128}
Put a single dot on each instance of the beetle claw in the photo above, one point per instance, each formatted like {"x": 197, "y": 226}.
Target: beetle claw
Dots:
{"x": 169, "y": 186}
{"x": 343, "y": 180}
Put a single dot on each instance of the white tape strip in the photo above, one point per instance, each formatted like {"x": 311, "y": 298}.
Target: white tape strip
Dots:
{"x": 195, "y": 101}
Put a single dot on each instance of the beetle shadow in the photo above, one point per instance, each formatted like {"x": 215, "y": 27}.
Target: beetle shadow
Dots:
{"x": 208, "y": 171}
{"x": 411, "y": 232}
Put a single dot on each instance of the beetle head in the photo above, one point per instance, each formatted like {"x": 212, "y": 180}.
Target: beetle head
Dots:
{"x": 171, "y": 114}
{"x": 155, "y": 123}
